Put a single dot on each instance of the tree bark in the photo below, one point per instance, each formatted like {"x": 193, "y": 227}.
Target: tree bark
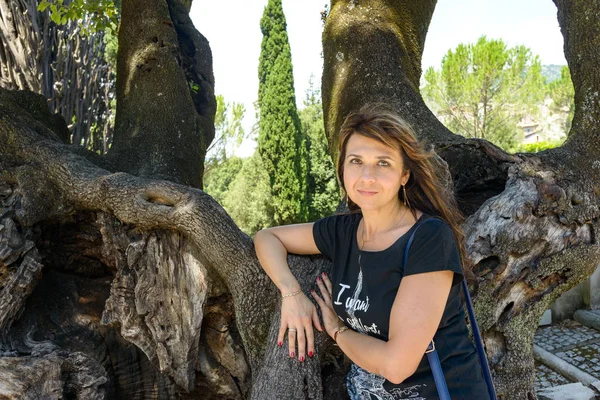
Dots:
{"x": 532, "y": 219}
{"x": 165, "y": 98}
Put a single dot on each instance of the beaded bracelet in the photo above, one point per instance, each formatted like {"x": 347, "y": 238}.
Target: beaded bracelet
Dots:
{"x": 291, "y": 294}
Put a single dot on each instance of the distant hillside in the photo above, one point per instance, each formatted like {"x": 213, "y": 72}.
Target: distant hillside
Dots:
{"x": 551, "y": 72}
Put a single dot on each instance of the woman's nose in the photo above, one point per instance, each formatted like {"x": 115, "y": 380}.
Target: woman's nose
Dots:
{"x": 367, "y": 173}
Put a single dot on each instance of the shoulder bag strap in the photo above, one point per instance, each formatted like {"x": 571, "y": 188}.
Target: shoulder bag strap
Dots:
{"x": 487, "y": 374}
{"x": 432, "y": 356}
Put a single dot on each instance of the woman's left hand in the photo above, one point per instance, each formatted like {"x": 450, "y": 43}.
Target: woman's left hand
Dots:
{"x": 330, "y": 318}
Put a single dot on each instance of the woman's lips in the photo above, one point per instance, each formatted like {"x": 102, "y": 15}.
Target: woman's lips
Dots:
{"x": 366, "y": 193}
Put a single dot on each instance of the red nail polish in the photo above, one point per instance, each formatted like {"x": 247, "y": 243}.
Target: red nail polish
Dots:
{"x": 318, "y": 278}
{"x": 279, "y": 344}
{"x": 310, "y": 353}
{"x": 324, "y": 274}
{"x": 301, "y": 359}
{"x": 292, "y": 354}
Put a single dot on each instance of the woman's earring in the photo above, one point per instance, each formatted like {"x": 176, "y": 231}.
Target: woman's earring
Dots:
{"x": 406, "y": 202}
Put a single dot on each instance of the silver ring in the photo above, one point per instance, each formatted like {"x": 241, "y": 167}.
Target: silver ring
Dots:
{"x": 291, "y": 330}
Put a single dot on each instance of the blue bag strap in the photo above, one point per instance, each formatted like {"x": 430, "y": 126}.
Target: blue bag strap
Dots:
{"x": 487, "y": 374}
{"x": 438, "y": 373}
{"x": 432, "y": 356}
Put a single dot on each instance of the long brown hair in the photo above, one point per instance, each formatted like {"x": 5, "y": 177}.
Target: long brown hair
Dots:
{"x": 428, "y": 188}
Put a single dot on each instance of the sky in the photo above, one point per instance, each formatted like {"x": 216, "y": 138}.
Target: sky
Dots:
{"x": 232, "y": 28}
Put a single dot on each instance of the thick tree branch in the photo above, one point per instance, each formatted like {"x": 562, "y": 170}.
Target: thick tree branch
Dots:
{"x": 149, "y": 205}
{"x": 152, "y": 205}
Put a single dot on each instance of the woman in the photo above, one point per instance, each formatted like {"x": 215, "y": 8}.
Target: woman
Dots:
{"x": 381, "y": 313}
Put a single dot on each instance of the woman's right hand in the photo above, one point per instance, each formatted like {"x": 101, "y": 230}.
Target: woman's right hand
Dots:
{"x": 298, "y": 314}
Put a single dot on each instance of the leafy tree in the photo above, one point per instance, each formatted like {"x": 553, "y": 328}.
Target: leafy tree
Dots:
{"x": 219, "y": 175}
{"x": 248, "y": 200}
{"x": 323, "y": 193}
{"x": 229, "y": 131}
{"x": 561, "y": 92}
{"x": 280, "y": 141}
{"x": 484, "y": 89}
{"x": 244, "y": 190}
{"x": 219, "y": 169}
{"x": 102, "y": 14}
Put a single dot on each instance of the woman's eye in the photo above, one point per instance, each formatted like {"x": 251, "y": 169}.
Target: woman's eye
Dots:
{"x": 358, "y": 161}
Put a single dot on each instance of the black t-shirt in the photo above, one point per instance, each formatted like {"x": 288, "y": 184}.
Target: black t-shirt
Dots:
{"x": 365, "y": 284}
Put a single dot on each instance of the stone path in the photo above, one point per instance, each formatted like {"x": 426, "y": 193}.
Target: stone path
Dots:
{"x": 578, "y": 345}
{"x": 547, "y": 378}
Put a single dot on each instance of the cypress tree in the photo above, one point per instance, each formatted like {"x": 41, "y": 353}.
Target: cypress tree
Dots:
{"x": 280, "y": 141}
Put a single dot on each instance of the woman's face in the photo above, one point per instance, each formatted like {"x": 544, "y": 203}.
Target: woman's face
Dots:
{"x": 373, "y": 173}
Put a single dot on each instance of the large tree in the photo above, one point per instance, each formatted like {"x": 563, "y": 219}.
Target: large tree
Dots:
{"x": 484, "y": 89}
{"x": 116, "y": 284}
{"x": 280, "y": 141}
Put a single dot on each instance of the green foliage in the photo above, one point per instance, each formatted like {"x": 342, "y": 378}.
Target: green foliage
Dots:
{"x": 484, "y": 89}
{"x": 280, "y": 141}
{"x": 538, "y": 146}
{"x": 111, "y": 49}
{"x": 322, "y": 192}
{"x": 229, "y": 132}
{"x": 194, "y": 87}
{"x": 241, "y": 186}
{"x": 562, "y": 93}
{"x": 102, "y": 14}
{"x": 248, "y": 200}
{"x": 219, "y": 175}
